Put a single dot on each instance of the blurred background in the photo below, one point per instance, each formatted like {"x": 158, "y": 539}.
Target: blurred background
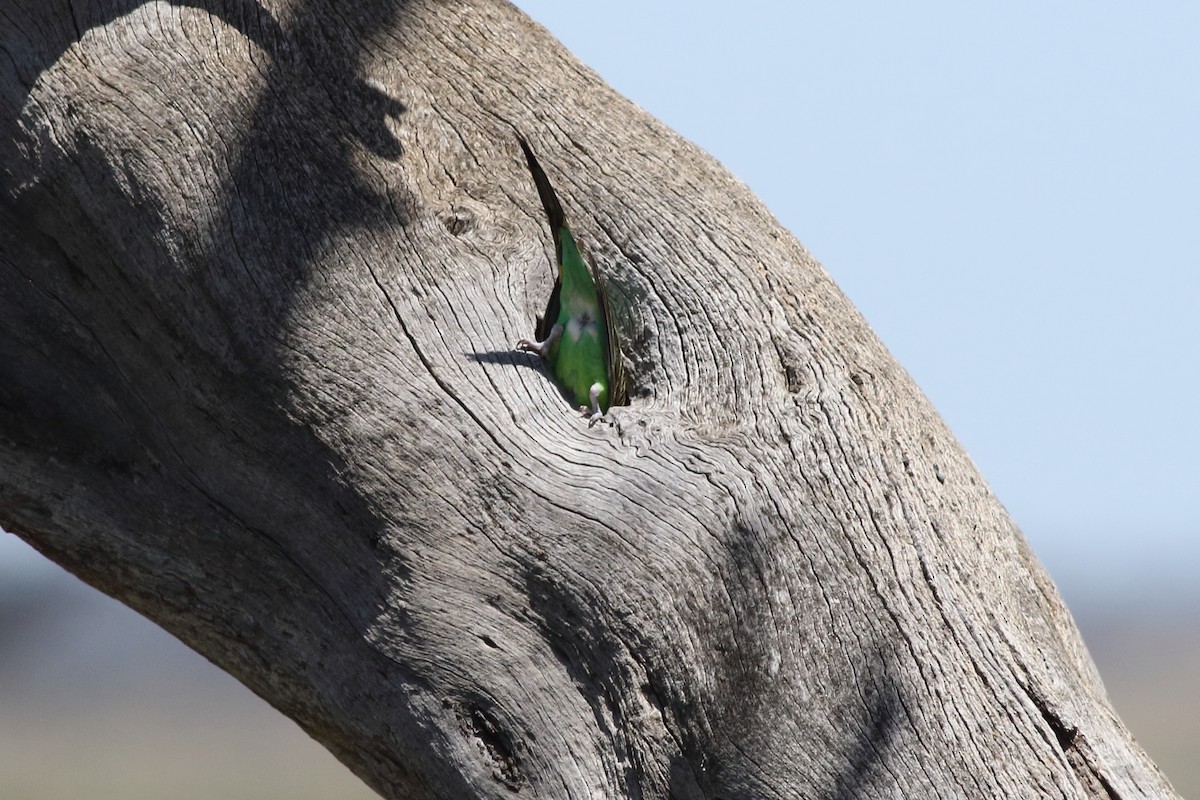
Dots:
{"x": 1010, "y": 194}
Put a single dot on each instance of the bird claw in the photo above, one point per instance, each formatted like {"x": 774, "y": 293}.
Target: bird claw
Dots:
{"x": 530, "y": 346}
{"x": 541, "y": 348}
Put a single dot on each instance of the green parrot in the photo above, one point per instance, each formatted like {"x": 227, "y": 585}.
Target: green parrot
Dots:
{"x": 576, "y": 335}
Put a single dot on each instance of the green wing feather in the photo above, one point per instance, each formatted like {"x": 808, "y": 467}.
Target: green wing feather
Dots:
{"x": 618, "y": 385}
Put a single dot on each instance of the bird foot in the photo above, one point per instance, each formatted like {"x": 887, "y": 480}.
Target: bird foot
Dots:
{"x": 593, "y": 413}
{"x": 593, "y": 416}
{"x": 541, "y": 348}
{"x": 530, "y": 346}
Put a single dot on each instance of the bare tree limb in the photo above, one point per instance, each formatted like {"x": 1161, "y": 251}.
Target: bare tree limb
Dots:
{"x": 261, "y": 268}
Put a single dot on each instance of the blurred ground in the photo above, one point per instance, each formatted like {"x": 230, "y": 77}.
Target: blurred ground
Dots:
{"x": 97, "y": 702}
{"x": 1152, "y": 673}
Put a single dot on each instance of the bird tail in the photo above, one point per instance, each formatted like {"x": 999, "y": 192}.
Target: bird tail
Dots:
{"x": 550, "y": 202}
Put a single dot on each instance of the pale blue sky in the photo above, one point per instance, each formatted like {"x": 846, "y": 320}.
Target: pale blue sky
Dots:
{"x": 1010, "y": 193}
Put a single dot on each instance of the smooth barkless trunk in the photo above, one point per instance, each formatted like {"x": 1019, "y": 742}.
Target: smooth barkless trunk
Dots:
{"x": 261, "y": 270}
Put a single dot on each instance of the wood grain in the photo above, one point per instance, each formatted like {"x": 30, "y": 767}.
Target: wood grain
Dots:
{"x": 262, "y": 269}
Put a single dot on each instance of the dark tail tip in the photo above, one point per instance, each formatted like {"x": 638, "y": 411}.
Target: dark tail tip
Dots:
{"x": 546, "y": 192}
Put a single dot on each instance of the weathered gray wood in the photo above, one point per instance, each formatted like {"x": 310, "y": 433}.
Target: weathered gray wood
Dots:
{"x": 260, "y": 274}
